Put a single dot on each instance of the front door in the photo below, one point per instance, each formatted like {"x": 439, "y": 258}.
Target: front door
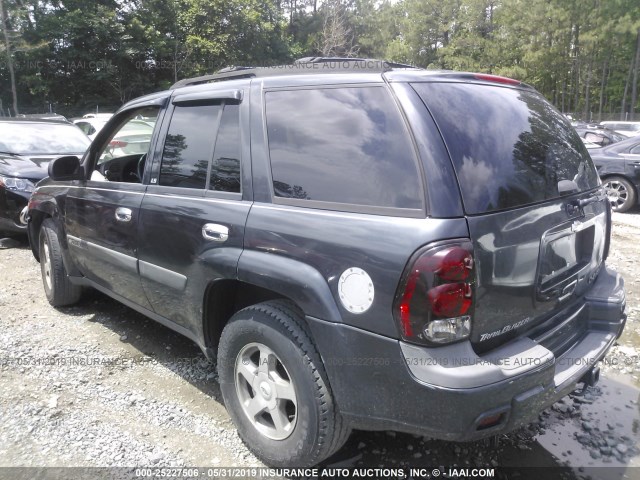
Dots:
{"x": 102, "y": 215}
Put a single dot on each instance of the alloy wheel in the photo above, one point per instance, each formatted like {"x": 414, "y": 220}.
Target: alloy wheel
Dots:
{"x": 47, "y": 266}
{"x": 266, "y": 391}
{"x": 617, "y": 193}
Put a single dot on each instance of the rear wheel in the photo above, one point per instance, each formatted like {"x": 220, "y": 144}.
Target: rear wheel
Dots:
{"x": 57, "y": 286}
{"x": 275, "y": 387}
{"x": 621, "y": 193}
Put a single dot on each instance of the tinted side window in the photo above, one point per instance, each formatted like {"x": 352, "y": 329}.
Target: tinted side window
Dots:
{"x": 341, "y": 145}
{"x": 188, "y": 146}
{"x": 225, "y": 170}
{"x": 635, "y": 150}
{"x": 510, "y": 147}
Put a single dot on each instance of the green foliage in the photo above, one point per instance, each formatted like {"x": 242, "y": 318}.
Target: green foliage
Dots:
{"x": 79, "y": 54}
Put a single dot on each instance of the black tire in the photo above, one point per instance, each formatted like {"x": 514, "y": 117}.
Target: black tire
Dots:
{"x": 319, "y": 429}
{"x": 57, "y": 286}
{"x": 621, "y": 192}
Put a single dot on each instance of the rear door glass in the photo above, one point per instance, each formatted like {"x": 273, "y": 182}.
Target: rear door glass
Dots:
{"x": 510, "y": 147}
{"x": 225, "y": 169}
{"x": 189, "y": 146}
{"x": 345, "y": 146}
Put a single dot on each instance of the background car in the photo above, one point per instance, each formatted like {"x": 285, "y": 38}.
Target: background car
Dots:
{"x": 628, "y": 129}
{"x": 26, "y": 148}
{"x": 43, "y": 116}
{"x": 132, "y": 139}
{"x": 619, "y": 168}
{"x": 599, "y": 136}
{"x": 91, "y": 124}
{"x": 589, "y": 144}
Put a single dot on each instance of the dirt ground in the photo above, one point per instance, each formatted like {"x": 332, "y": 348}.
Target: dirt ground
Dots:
{"x": 100, "y": 385}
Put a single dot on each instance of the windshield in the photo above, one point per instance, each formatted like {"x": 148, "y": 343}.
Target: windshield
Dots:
{"x": 41, "y": 138}
{"x": 510, "y": 147}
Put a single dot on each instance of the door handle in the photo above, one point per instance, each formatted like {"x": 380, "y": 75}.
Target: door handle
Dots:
{"x": 215, "y": 232}
{"x": 123, "y": 214}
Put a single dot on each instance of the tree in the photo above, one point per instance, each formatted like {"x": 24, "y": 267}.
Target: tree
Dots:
{"x": 4, "y": 18}
{"x": 336, "y": 38}
{"x": 76, "y": 54}
{"x": 634, "y": 84}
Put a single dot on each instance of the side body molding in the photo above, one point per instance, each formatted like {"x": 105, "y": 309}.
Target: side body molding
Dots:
{"x": 296, "y": 280}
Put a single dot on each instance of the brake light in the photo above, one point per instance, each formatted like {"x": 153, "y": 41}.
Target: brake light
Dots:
{"x": 435, "y": 300}
{"x": 450, "y": 300}
{"x": 496, "y": 79}
{"x": 117, "y": 144}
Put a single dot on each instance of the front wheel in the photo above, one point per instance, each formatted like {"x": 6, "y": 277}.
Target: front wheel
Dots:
{"x": 275, "y": 388}
{"x": 621, "y": 193}
{"x": 57, "y": 286}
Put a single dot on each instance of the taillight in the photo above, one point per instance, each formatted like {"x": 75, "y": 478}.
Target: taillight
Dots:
{"x": 434, "y": 304}
{"x": 117, "y": 144}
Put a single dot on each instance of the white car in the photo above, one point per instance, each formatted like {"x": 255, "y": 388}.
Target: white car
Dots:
{"x": 628, "y": 129}
{"x": 92, "y": 123}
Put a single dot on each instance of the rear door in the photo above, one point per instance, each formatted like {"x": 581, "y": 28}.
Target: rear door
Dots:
{"x": 523, "y": 172}
{"x": 194, "y": 212}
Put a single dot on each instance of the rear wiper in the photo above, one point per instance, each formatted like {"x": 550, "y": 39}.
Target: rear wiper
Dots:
{"x": 9, "y": 153}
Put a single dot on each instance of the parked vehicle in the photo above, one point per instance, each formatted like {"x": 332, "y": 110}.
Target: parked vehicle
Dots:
{"x": 26, "y": 148}
{"x": 619, "y": 168}
{"x": 105, "y": 116}
{"x": 133, "y": 138}
{"x": 348, "y": 263}
{"x": 589, "y": 145}
{"x": 600, "y": 136}
{"x": 628, "y": 129}
{"x": 42, "y": 116}
{"x": 91, "y": 124}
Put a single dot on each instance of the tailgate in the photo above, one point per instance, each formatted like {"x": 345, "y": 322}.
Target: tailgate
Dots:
{"x": 536, "y": 212}
{"x": 532, "y": 262}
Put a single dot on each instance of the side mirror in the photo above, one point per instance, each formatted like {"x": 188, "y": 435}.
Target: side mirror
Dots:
{"x": 567, "y": 187}
{"x": 66, "y": 168}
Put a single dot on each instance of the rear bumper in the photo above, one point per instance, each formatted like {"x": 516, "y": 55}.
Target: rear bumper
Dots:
{"x": 380, "y": 383}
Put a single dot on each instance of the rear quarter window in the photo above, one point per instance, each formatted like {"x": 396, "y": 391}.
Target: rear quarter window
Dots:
{"x": 341, "y": 146}
{"x": 510, "y": 147}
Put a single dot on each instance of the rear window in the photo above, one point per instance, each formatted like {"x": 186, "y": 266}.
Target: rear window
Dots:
{"x": 341, "y": 145}
{"x": 509, "y": 147}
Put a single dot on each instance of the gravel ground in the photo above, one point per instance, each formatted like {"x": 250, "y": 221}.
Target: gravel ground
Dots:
{"x": 100, "y": 385}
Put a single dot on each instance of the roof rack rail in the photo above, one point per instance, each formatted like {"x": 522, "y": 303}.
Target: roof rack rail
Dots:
{"x": 228, "y": 73}
{"x": 330, "y": 59}
{"x": 385, "y": 63}
{"x": 239, "y": 72}
{"x": 234, "y": 68}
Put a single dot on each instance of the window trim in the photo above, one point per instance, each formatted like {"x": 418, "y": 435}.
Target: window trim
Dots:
{"x": 340, "y": 206}
{"x": 222, "y": 193}
{"x": 208, "y": 99}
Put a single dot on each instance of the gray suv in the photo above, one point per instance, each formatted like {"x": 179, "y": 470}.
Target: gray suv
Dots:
{"x": 358, "y": 244}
